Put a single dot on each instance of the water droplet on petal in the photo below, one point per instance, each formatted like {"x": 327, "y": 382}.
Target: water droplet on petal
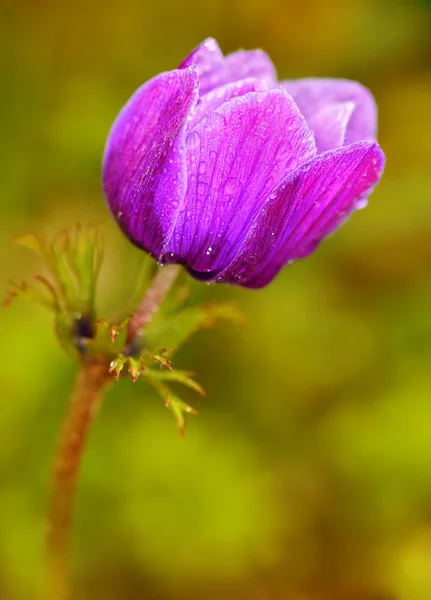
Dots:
{"x": 292, "y": 163}
{"x": 233, "y": 187}
{"x": 202, "y": 187}
{"x": 193, "y": 140}
{"x": 215, "y": 120}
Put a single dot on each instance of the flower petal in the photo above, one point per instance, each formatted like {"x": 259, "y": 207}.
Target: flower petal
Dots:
{"x": 251, "y": 63}
{"x": 216, "y": 98}
{"x": 311, "y": 95}
{"x": 309, "y": 205}
{"x": 144, "y": 177}
{"x": 235, "y": 157}
{"x": 215, "y": 70}
{"x": 329, "y": 125}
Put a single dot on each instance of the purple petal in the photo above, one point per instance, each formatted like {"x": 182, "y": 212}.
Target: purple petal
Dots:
{"x": 308, "y": 206}
{"x": 235, "y": 157}
{"x": 144, "y": 177}
{"x": 215, "y": 70}
{"x": 251, "y": 63}
{"x": 329, "y": 125}
{"x": 312, "y": 95}
{"x": 211, "y": 101}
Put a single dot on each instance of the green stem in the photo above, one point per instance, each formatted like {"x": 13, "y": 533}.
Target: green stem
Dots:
{"x": 92, "y": 380}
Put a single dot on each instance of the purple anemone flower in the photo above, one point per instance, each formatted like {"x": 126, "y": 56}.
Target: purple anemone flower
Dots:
{"x": 219, "y": 167}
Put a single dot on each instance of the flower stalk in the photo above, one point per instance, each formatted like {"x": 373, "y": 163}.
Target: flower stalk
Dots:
{"x": 161, "y": 285}
{"x": 91, "y": 383}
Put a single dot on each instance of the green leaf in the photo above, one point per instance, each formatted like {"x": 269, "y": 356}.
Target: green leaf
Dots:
{"x": 178, "y": 407}
{"x": 117, "y": 365}
{"x": 184, "y": 377}
{"x": 23, "y": 289}
{"x": 73, "y": 261}
{"x": 142, "y": 280}
{"x": 175, "y": 330}
{"x": 36, "y": 244}
{"x": 135, "y": 366}
{"x": 161, "y": 357}
{"x": 109, "y": 339}
{"x": 39, "y": 246}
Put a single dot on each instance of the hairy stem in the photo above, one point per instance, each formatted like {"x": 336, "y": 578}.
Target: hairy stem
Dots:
{"x": 92, "y": 380}
{"x": 161, "y": 285}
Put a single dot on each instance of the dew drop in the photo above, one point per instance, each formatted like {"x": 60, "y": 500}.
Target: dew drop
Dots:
{"x": 362, "y": 203}
{"x": 232, "y": 187}
{"x": 215, "y": 120}
{"x": 202, "y": 186}
{"x": 193, "y": 140}
{"x": 292, "y": 163}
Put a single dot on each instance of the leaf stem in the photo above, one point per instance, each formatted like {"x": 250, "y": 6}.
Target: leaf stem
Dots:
{"x": 92, "y": 381}
{"x": 161, "y": 285}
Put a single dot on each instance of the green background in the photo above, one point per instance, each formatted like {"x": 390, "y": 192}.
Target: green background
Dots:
{"x": 307, "y": 473}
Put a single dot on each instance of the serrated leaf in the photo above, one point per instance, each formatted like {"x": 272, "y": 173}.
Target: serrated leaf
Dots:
{"x": 73, "y": 260}
{"x": 23, "y": 289}
{"x": 178, "y": 407}
{"x": 39, "y": 246}
{"x": 82, "y": 252}
{"x": 36, "y": 244}
{"x": 117, "y": 365}
{"x": 136, "y": 366}
{"x": 161, "y": 357}
{"x": 177, "y": 329}
{"x": 51, "y": 291}
{"x": 184, "y": 377}
{"x": 108, "y": 339}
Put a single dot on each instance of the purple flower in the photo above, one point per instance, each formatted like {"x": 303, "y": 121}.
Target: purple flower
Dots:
{"x": 219, "y": 167}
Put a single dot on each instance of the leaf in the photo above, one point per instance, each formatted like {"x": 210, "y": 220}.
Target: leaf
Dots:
{"x": 36, "y": 244}
{"x": 178, "y": 407}
{"x": 117, "y": 365}
{"x": 73, "y": 260}
{"x": 142, "y": 279}
{"x": 184, "y": 377}
{"x": 109, "y": 339}
{"x": 39, "y": 246}
{"x": 23, "y": 289}
{"x": 177, "y": 329}
{"x": 162, "y": 358}
{"x": 136, "y": 367}
{"x": 51, "y": 290}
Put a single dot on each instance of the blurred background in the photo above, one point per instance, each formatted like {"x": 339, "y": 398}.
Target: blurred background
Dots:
{"x": 307, "y": 473}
